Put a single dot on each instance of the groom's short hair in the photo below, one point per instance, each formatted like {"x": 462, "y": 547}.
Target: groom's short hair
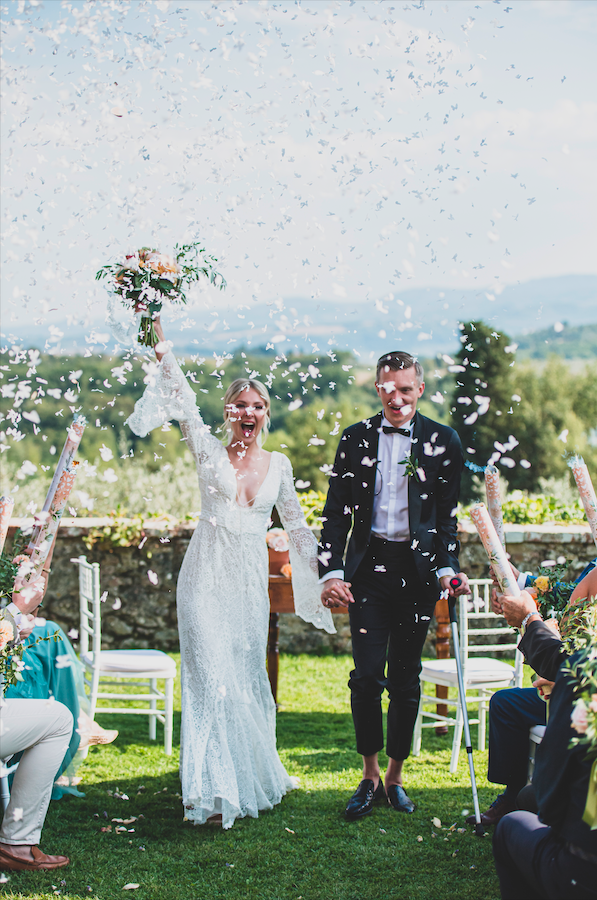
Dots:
{"x": 399, "y": 359}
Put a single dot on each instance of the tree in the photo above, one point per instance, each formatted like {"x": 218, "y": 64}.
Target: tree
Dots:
{"x": 483, "y": 397}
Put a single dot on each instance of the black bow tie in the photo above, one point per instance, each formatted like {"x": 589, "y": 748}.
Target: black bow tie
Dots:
{"x": 389, "y": 429}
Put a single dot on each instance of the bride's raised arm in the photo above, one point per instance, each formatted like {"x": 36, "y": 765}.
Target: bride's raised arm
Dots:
{"x": 303, "y": 555}
{"x": 168, "y": 395}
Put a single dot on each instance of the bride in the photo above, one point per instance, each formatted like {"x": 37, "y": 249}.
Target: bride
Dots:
{"x": 229, "y": 765}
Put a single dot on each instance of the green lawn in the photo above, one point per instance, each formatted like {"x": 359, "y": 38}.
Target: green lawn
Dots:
{"x": 302, "y": 849}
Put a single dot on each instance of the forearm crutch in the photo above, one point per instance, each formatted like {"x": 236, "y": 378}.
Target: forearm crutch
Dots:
{"x": 455, "y": 583}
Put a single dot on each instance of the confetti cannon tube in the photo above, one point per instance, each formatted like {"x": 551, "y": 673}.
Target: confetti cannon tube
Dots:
{"x": 6, "y": 508}
{"x": 71, "y": 445}
{"x": 495, "y": 550}
{"x": 494, "y": 501}
{"x": 49, "y": 527}
{"x": 586, "y": 490}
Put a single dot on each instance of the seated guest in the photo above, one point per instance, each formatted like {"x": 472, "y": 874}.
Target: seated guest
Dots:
{"x": 513, "y": 712}
{"x": 53, "y": 670}
{"x": 41, "y": 729}
{"x": 552, "y": 854}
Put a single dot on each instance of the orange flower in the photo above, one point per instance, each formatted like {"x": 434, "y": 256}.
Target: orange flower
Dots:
{"x": 286, "y": 570}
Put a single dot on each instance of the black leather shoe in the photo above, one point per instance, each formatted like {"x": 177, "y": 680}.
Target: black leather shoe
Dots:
{"x": 399, "y": 799}
{"x": 361, "y": 802}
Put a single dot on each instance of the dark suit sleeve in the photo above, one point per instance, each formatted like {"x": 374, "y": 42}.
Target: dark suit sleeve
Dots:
{"x": 337, "y": 512}
{"x": 543, "y": 649}
{"x": 448, "y": 490}
{"x": 561, "y": 778}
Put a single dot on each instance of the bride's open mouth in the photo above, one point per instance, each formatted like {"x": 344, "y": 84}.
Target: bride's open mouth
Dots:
{"x": 248, "y": 428}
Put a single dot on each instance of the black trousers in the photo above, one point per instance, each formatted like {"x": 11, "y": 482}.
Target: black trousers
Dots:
{"x": 512, "y": 713}
{"x": 389, "y": 621}
{"x": 532, "y": 864}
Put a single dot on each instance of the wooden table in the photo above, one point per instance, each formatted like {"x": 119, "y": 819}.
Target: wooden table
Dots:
{"x": 282, "y": 601}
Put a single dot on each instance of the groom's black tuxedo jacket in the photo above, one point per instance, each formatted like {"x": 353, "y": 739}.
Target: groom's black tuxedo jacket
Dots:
{"x": 431, "y": 502}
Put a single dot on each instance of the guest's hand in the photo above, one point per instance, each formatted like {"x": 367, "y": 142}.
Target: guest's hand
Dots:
{"x": 514, "y": 609}
{"x": 544, "y": 687}
{"x": 496, "y": 606}
{"x": 493, "y": 575}
{"x": 26, "y": 626}
{"x": 336, "y": 592}
{"x": 448, "y": 591}
{"x": 27, "y": 597}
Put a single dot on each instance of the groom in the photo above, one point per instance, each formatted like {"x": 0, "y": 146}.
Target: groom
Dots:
{"x": 395, "y": 482}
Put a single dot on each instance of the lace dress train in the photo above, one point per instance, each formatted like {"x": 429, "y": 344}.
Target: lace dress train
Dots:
{"x": 229, "y": 762}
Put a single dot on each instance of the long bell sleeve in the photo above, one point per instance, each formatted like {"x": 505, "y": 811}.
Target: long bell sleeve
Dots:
{"x": 167, "y": 396}
{"x": 303, "y": 555}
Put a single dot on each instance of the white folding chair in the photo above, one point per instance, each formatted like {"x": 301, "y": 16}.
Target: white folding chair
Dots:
{"x": 535, "y": 737}
{"x": 145, "y": 666}
{"x": 483, "y": 675}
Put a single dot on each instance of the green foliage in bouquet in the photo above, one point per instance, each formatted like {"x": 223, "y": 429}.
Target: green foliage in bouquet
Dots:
{"x": 146, "y": 278}
{"x": 553, "y": 591}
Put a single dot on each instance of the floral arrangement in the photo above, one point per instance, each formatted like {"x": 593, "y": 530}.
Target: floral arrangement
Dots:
{"x": 146, "y": 278}
{"x": 11, "y": 652}
{"x": 582, "y": 668}
{"x": 553, "y": 592}
{"x": 277, "y": 539}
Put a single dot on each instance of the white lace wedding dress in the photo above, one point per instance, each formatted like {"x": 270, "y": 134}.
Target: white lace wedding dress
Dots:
{"x": 229, "y": 763}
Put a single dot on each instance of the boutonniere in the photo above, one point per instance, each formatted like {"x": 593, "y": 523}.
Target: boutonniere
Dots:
{"x": 412, "y": 468}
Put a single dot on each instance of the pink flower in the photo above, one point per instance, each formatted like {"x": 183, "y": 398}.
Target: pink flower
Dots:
{"x": 579, "y": 718}
{"x": 6, "y": 633}
{"x": 593, "y": 703}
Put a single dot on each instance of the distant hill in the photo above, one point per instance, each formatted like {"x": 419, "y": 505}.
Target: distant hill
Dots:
{"x": 421, "y": 320}
{"x": 568, "y": 341}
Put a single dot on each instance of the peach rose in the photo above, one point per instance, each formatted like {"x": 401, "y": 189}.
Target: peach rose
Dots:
{"x": 6, "y": 633}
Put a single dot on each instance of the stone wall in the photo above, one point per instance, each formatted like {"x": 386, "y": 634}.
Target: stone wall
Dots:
{"x": 137, "y": 613}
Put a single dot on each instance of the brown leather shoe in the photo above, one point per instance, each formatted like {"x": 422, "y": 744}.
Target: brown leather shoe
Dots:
{"x": 498, "y": 809}
{"x": 12, "y": 863}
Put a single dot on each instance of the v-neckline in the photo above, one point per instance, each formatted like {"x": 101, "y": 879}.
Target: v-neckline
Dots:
{"x": 265, "y": 477}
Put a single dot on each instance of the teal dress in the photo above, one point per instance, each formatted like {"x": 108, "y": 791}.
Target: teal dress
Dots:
{"x": 53, "y": 670}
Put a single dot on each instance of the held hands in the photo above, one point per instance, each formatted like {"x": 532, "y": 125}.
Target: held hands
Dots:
{"x": 514, "y": 609}
{"x": 336, "y": 592}
{"x": 448, "y": 591}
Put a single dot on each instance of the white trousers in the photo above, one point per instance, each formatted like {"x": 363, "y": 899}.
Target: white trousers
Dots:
{"x": 43, "y": 729}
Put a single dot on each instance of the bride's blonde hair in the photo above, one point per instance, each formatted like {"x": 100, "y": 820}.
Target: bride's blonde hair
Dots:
{"x": 233, "y": 393}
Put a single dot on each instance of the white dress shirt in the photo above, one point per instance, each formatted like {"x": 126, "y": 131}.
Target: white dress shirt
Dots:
{"x": 390, "y": 502}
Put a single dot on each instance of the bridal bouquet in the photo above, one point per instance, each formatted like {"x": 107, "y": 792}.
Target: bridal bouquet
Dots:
{"x": 146, "y": 278}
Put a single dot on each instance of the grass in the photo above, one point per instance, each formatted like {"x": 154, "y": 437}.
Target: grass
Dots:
{"x": 302, "y": 850}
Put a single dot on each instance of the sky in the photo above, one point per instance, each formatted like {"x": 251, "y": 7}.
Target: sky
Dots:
{"x": 337, "y": 151}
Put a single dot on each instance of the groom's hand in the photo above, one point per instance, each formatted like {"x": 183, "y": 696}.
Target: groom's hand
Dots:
{"x": 336, "y": 592}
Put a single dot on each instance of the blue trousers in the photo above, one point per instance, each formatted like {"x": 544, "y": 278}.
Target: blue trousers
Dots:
{"x": 512, "y": 712}
{"x": 532, "y": 864}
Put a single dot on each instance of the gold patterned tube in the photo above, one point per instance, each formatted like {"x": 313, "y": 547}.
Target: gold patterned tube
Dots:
{"x": 586, "y": 491}
{"x": 495, "y": 550}
{"x": 494, "y": 501}
{"x": 71, "y": 445}
{"x": 6, "y": 508}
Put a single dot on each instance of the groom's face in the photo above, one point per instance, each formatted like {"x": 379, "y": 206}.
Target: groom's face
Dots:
{"x": 399, "y": 393}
